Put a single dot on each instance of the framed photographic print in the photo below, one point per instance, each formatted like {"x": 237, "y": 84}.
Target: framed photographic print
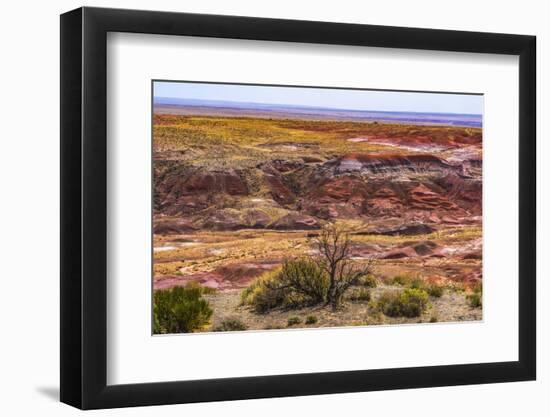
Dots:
{"x": 257, "y": 208}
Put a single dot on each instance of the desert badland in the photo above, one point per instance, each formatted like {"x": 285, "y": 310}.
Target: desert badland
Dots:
{"x": 249, "y": 205}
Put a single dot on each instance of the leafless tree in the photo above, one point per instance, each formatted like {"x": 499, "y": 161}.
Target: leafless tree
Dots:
{"x": 333, "y": 244}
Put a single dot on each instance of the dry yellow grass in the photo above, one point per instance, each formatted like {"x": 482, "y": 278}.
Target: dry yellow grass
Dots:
{"x": 245, "y": 141}
{"x": 447, "y": 235}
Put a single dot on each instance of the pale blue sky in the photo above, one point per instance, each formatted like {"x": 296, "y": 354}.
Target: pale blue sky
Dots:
{"x": 321, "y": 97}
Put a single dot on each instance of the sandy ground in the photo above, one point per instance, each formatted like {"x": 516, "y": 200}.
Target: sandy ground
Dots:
{"x": 452, "y": 306}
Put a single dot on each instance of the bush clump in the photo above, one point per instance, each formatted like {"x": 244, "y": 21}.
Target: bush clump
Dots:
{"x": 180, "y": 309}
{"x": 311, "y": 319}
{"x": 434, "y": 290}
{"x": 411, "y": 302}
{"x": 476, "y": 297}
{"x": 231, "y": 325}
{"x": 263, "y": 294}
{"x": 293, "y": 321}
{"x": 299, "y": 282}
{"x": 418, "y": 283}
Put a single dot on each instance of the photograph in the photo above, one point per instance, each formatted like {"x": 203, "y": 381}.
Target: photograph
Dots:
{"x": 286, "y": 207}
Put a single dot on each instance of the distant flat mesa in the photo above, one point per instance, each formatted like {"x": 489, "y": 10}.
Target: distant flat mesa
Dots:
{"x": 236, "y": 109}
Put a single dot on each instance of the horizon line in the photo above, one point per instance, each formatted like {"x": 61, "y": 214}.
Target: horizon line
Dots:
{"x": 312, "y": 107}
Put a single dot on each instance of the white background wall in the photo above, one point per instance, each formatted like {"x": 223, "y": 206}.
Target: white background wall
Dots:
{"x": 29, "y": 225}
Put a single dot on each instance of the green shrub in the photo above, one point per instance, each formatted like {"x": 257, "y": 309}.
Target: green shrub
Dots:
{"x": 293, "y": 320}
{"x": 417, "y": 282}
{"x": 180, "y": 309}
{"x": 411, "y": 302}
{"x": 388, "y": 303}
{"x": 263, "y": 294}
{"x": 362, "y": 294}
{"x": 311, "y": 319}
{"x": 231, "y": 325}
{"x": 298, "y": 282}
{"x": 434, "y": 290}
{"x": 475, "y": 299}
{"x": 305, "y": 278}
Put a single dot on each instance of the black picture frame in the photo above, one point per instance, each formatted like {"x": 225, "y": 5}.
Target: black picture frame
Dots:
{"x": 84, "y": 207}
